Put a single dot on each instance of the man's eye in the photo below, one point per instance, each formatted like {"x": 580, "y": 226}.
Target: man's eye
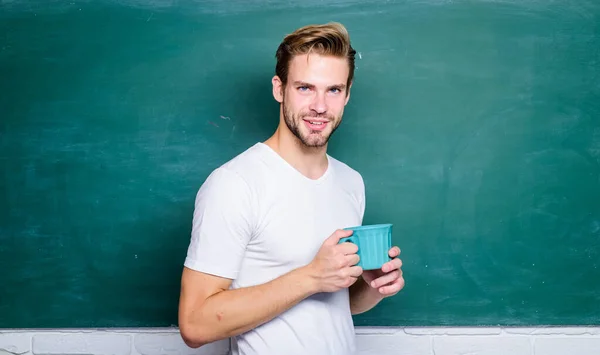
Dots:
{"x": 303, "y": 88}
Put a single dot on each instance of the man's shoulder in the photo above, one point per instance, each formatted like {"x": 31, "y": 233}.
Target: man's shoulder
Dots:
{"x": 241, "y": 169}
{"x": 243, "y": 159}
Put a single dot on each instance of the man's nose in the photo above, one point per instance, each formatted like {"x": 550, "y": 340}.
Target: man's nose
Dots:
{"x": 319, "y": 103}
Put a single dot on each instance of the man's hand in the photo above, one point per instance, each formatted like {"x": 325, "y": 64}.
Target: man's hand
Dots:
{"x": 388, "y": 280}
{"x": 334, "y": 267}
{"x": 210, "y": 310}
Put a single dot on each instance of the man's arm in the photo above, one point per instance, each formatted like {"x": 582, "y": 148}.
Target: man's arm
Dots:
{"x": 209, "y": 311}
{"x": 363, "y": 297}
{"x": 375, "y": 285}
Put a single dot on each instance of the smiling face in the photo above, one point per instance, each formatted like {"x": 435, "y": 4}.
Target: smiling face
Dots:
{"x": 314, "y": 97}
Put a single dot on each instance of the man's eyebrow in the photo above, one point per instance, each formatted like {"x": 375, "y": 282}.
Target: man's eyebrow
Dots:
{"x": 302, "y": 83}
{"x": 336, "y": 86}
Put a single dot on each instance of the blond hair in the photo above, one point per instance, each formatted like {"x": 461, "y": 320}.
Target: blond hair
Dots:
{"x": 331, "y": 39}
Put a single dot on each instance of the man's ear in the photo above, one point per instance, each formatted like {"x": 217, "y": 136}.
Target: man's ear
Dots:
{"x": 277, "y": 89}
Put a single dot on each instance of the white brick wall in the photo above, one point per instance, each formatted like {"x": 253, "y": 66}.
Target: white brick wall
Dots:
{"x": 377, "y": 341}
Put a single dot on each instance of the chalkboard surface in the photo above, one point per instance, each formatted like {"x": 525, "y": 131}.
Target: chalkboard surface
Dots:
{"x": 475, "y": 124}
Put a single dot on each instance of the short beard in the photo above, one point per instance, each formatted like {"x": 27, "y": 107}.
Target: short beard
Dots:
{"x": 293, "y": 123}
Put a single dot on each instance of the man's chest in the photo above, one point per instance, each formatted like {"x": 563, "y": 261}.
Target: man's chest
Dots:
{"x": 293, "y": 225}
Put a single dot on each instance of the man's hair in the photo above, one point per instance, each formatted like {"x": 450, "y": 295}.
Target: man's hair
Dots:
{"x": 329, "y": 39}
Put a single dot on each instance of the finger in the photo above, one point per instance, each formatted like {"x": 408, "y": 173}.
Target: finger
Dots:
{"x": 337, "y": 235}
{"x": 392, "y": 265}
{"x": 352, "y": 259}
{"x": 347, "y": 248}
{"x": 385, "y": 279}
{"x": 394, "y": 252}
{"x": 355, "y": 271}
{"x": 392, "y": 289}
{"x": 351, "y": 281}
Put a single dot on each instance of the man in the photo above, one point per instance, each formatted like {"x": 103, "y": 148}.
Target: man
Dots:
{"x": 264, "y": 266}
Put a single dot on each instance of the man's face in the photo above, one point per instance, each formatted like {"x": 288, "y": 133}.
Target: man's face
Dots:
{"x": 314, "y": 98}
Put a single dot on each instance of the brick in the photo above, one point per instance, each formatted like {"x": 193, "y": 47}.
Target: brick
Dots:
{"x": 519, "y": 330}
{"x": 554, "y": 331}
{"x": 454, "y": 331}
{"x": 566, "y": 345}
{"x": 378, "y": 330}
{"x": 81, "y": 344}
{"x": 15, "y": 342}
{"x": 481, "y": 345}
{"x": 393, "y": 345}
{"x": 172, "y": 344}
{"x": 567, "y": 331}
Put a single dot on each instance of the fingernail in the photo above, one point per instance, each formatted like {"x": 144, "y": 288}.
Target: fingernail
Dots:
{"x": 373, "y": 284}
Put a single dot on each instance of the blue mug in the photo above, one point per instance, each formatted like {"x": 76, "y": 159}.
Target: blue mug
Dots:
{"x": 374, "y": 243}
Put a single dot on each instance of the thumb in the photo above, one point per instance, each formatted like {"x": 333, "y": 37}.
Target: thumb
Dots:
{"x": 337, "y": 235}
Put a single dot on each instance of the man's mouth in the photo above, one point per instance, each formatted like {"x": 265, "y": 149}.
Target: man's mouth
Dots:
{"x": 316, "y": 125}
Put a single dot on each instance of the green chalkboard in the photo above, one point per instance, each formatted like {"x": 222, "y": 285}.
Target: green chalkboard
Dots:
{"x": 475, "y": 124}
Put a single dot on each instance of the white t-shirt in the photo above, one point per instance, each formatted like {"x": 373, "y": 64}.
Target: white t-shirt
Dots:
{"x": 257, "y": 218}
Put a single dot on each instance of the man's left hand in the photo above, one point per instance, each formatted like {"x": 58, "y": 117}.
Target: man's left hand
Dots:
{"x": 388, "y": 280}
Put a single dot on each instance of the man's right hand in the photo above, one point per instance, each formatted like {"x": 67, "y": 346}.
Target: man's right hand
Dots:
{"x": 334, "y": 267}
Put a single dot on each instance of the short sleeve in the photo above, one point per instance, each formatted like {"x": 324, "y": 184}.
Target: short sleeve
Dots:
{"x": 222, "y": 224}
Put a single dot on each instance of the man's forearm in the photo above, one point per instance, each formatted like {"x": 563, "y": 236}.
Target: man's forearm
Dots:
{"x": 232, "y": 312}
{"x": 363, "y": 297}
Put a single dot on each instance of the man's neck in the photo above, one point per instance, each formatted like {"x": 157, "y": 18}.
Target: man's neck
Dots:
{"x": 310, "y": 162}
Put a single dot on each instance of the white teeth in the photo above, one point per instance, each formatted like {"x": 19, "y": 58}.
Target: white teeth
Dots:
{"x": 317, "y": 123}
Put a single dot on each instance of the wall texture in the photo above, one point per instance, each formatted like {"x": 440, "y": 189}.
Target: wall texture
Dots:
{"x": 379, "y": 341}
